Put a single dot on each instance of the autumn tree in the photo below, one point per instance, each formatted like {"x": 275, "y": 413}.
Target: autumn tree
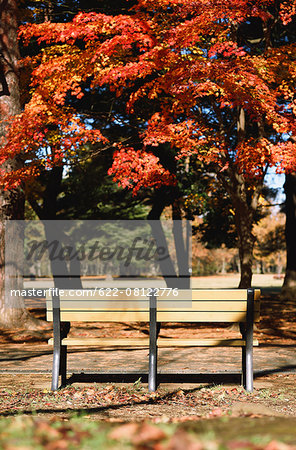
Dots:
{"x": 223, "y": 98}
{"x": 11, "y": 201}
{"x": 211, "y": 81}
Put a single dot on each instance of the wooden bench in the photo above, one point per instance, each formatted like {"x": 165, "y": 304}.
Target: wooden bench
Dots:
{"x": 240, "y": 306}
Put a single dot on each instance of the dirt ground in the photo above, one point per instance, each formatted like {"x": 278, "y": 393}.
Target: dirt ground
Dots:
{"x": 273, "y": 396}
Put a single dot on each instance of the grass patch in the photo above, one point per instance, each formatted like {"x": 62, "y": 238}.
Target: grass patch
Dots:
{"x": 79, "y": 432}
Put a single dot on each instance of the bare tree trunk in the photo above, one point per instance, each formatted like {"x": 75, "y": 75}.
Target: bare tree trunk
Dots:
{"x": 244, "y": 208}
{"x": 246, "y": 241}
{"x": 289, "y": 286}
{"x": 12, "y": 201}
{"x": 182, "y": 247}
{"x": 47, "y": 213}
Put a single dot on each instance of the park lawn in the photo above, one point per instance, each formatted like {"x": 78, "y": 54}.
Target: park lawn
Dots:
{"x": 223, "y": 433}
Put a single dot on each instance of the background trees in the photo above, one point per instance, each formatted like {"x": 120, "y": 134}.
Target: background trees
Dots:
{"x": 209, "y": 86}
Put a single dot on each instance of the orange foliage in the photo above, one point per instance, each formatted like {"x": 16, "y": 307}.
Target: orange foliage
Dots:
{"x": 182, "y": 55}
{"x": 44, "y": 135}
{"x": 137, "y": 169}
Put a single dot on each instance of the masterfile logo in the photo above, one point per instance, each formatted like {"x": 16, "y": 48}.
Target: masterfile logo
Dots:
{"x": 75, "y": 254}
{"x": 140, "y": 250}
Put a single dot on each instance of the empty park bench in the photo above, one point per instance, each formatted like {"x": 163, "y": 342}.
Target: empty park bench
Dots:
{"x": 240, "y": 306}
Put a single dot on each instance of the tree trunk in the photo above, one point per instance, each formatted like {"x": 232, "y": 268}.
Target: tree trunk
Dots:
{"x": 173, "y": 279}
{"x": 166, "y": 266}
{"x": 47, "y": 213}
{"x": 245, "y": 246}
{"x": 182, "y": 245}
{"x": 244, "y": 210}
{"x": 243, "y": 214}
{"x": 12, "y": 308}
{"x": 289, "y": 286}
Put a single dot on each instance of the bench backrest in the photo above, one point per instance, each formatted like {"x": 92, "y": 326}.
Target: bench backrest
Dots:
{"x": 222, "y": 305}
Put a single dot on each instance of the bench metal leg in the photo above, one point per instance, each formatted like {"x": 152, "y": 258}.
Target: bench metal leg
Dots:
{"x": 56, "y": 368}
{"x": 249, "y": 367}
{"x": 63, "y": 365}
{"x": 152, "y": 377}
{"x": 247, "y": 351}
{"x": 56, "y": 343}
{"x": 152, "y": 370}
{"x": 59, "y": 366}
{"x": 244, "y": 367}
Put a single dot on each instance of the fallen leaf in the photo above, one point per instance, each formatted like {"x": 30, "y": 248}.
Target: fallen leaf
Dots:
{"x": 182, "y": 441}
{"x": 61, "y": 444}
{"x": 276, "y": 445}
{"x": 125, "y": 431}
{"x": 148, "y": 433}
{"x": 216, "y": 412}
{"x": 44, "y": 429}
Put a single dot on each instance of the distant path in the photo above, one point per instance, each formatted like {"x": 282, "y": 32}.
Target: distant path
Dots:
{"x": 232, "y": 281}
{"x": 209, "y": 282}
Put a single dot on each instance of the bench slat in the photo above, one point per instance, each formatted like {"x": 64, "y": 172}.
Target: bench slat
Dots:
{"x": 194, "y": 294}
{"x": 219, "y": 294}
{"x": 161, "y": 342}
{"x": 124, "y": 342}
{"x": 142, "y": 316}
{"x": 162, "y": 306}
